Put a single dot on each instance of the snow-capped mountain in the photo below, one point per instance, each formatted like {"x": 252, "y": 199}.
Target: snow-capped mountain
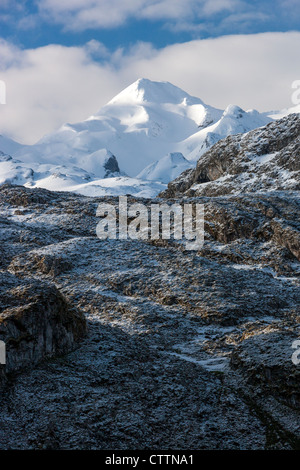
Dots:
{"x": 143, "y": 138}
{"x": 142, "y": 124}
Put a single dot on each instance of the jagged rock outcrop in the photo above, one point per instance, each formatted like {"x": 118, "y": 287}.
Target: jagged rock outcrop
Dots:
{"x": 111, "y": 166}
{"x": 264, "y": 159}
{"x": 36, "y": 322}
{"x": 262, "y": 218}
{"x": 265, "y": 360}
{"x": 42, "y": 262}
{"x": 18, "y": 196}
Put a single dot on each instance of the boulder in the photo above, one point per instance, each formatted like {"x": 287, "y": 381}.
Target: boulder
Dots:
{"x": 36, "y": 322}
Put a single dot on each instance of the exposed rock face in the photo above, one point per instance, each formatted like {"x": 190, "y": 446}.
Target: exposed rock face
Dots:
{"x": 111, "y": 166}
{"x": 265, "y": 159}
{"x": 18, "y": 196}
{"x": 42, "y": 262}
{"x": 262, "y": 218}
{"x": 36, "y": 322}
{"x": 265, "y": 360}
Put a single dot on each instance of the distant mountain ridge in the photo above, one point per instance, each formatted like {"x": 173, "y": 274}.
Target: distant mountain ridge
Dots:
{"x": 140, "y": 131}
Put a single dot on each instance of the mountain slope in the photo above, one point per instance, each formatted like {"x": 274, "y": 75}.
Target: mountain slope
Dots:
{"x": 233, "y": 121}
{"x": 13, "y": 170}
{"x": 264, "y": 159}
{"x": 166, "y": 169}
{"x": 9, "y": 146}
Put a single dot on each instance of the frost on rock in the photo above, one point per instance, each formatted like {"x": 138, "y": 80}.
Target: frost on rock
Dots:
{"x": 184, "y": 349}
{"x": 36, "y": 322}
{"x": 264, "y": 159}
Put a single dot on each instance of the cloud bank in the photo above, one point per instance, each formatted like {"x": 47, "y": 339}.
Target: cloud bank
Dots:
{"x": 54, "y": 84}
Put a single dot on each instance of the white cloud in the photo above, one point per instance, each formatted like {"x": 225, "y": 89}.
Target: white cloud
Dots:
{"x": 55, "y": 84}
{"x": 214, "y": 17}
{"x": 210, "y": 8}
{"x": 87, "y": 14}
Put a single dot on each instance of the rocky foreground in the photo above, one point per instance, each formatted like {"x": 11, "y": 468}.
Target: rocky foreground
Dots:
{"x": 144, "y": 345}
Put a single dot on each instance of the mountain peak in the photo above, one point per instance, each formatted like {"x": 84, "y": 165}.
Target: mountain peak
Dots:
{"x": 145, "y": 90}
{"x": 233, "y": 110}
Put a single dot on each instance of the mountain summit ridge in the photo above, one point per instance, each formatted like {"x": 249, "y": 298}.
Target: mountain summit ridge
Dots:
{"x": 145, "y": 90}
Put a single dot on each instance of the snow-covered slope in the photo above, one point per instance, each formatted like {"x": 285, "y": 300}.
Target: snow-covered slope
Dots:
{"x": 151, "y": 131}
{"x": 27, "y": 172}
{"x": 14, "y": 171}
{"x": 74, "y": 179}
{"x": 233, "y": 121}
{"x": 9, "y": 146}
{"x": 166, "y": 169}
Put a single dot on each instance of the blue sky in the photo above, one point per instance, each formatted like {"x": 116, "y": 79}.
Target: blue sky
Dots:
{"x": 121, "y": 23}
{"x": 62, "y": 60}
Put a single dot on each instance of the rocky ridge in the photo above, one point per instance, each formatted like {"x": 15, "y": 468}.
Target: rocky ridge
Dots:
{"x": 265, "y": 159}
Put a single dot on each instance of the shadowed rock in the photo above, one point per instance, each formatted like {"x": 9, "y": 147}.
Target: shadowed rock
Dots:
{"x": 36, "y": 322}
